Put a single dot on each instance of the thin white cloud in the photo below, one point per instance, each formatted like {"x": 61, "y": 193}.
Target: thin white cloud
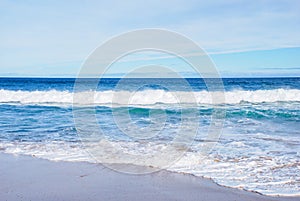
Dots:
{"x": 36, "y": 33}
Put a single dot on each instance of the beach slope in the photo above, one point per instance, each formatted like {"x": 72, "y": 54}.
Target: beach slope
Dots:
{"x": 27, "y": 178}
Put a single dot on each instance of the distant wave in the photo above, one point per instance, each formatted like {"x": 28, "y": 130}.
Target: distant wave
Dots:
{"x": 149, "y": 97}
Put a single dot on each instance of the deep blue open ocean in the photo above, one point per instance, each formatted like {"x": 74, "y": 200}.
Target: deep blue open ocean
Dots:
{"x": 258, "y": 149}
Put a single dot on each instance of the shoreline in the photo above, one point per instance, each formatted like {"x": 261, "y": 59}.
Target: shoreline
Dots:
{"x": 30, "y": 178}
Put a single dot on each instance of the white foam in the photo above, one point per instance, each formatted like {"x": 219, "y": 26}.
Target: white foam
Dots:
{"x": 149, "y": 97}
{"x": 267, "y": 175}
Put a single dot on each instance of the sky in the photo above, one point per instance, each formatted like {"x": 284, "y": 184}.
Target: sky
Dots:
{"x": 243, "y": 38}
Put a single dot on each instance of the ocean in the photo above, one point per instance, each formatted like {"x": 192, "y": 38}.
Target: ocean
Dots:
{"x": 258, "y": 148}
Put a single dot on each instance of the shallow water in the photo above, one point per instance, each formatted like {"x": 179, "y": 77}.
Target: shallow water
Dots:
{"x": 259, "y": 147}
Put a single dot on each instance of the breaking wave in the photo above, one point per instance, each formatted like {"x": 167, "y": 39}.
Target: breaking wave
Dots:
{"x": 149, "y": 97}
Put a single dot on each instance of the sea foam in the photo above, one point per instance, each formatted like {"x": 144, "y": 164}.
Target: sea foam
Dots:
{"x": 150, "y": 97}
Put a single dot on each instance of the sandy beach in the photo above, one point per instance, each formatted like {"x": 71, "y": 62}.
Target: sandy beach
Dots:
{"x": 27, "y": 178}
{"x": 150, "y": 100}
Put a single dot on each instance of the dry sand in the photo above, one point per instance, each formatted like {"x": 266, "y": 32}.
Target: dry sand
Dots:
{"x": 26, "y": 178}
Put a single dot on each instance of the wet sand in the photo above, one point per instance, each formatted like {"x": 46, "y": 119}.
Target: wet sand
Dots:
{"x": 27, "y": 178}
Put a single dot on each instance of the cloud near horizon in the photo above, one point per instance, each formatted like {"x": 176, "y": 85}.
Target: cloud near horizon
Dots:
{"x": 47, "y": 37}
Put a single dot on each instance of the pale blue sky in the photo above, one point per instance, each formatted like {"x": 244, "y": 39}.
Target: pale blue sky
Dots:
{"x": 244, "y": 38}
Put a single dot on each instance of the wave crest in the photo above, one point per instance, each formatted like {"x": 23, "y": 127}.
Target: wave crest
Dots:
{"x": 149, "y": 97}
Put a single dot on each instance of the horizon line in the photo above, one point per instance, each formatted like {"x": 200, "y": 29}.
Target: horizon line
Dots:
{"x": 61, "y": 77}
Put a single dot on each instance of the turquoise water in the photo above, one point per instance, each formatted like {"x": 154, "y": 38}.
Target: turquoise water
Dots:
{"x": 259, "y": 147}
